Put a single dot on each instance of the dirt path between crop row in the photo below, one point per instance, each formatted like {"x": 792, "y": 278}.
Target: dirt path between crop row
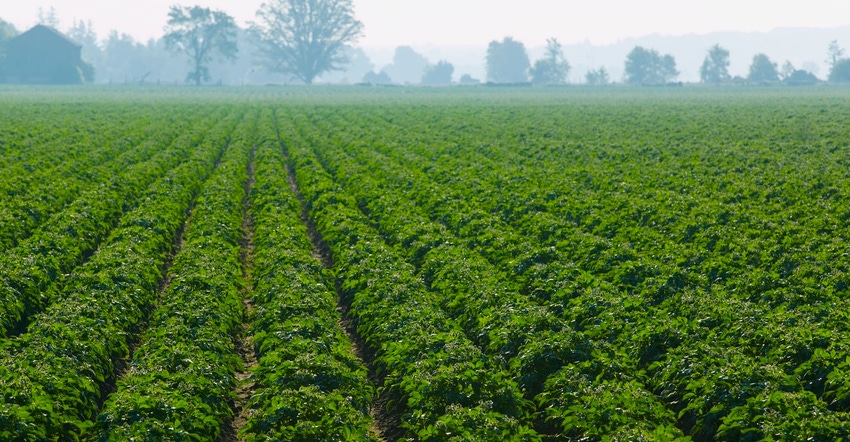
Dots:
{"x": 386, "y": 420}
{"x": 244, "y": 344}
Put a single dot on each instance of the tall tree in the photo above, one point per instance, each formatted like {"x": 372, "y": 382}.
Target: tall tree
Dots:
{"x": 48, "y": 18}
{"x": 305, "y": 38}
{"x": 840, "y": 72}
{"x": 762, "y": 70}
{"x": 408, "y": 66}
{"x": 200, "y": 33}
{"x": 507, "y": 61}
{"x": 647, "y": 66}
{"x": 7, "y": 32}
{"x": 438, "y": 74}
{"x": 598, "y": 77}
{"x": 553, "y": 68}
{"x": 715, "y": 68}
{"x": 835, "y": 53}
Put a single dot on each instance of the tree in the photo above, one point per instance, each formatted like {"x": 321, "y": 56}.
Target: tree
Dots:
{"x": 715, "y": 68}
{"x": 83, "y": 33}
{"x": 553, "y": 68}
{"x": 439, "y": 74}
{"x": 467, "y": 79}
{"x": 835, "y": 53}
{"x": 199, "y": 33}
{"x": 7, "y": 32}
{"x": 762, "y": 70}
{"x": 507, "y": 61}
{"x": 408, "y": 66}
{"x": 305, "y": 38}
{"x": 380, "y": 78}
{"x": 840, "y": 72}
{"x": 597, "y": 77}
{"x": 787, "y": 70}
{"x": 647, "y": 67}
{"x": 48, "y": 18}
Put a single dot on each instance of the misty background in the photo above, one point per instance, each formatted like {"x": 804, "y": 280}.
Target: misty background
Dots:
{"x": 119, "y": 57}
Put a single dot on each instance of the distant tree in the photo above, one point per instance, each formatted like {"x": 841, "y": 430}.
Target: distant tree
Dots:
{"x": 358, "y": 65}
{"x": 123, "y": 58}
{"x": 468, "y": 80}
{"x": 305, "y": 38}
{"x": 647, "y": 66}
{"x": 408, "y": 66}
{"x": 380, "y": 78}
{"x": 597, "y": 77}
{"x": 762, "y": 70}
{"x": 840, "y": 72}
{"x": 7, "y": 32}
{"x": 83, "y": 33}
{"x": 800, "y": 78}
{"x": 200, "y": 33}
{"x": 715, "y": 68}
{"x": 553, "y": 68}
{"x": 786, "y": 70}
{"x": 48, "y": 18}
{"x": 835, "y": 53}
{"x": 438, "y": 74}
{"x": 507, "y": 61}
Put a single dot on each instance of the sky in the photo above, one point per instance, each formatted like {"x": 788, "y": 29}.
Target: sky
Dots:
{"x": 389, "y": 23}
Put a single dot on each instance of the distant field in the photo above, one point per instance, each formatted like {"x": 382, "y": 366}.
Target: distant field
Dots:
{"x": 408, "y": 263}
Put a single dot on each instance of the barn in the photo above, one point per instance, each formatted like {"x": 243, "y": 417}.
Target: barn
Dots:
{"x": 44, "y": 55}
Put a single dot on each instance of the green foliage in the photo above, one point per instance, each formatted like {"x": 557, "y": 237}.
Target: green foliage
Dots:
{"x": 507, "y": 61}
{"x": 762, "y": 70}
{"x": 200, "y": 33}
{"x": 553, "y": 69}
{"x": 310, "y": 386}
{"x": 648, "y": 67}
{"x": 715, "y": 68}
{"x": 840, "y": 72}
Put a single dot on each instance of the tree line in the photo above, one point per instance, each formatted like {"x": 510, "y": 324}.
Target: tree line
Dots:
{"x": 304, "y": 40}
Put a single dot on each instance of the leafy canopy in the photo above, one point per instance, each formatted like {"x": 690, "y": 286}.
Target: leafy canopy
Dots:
{"x": 507, "y": 61}
{"x": 199, "y": 33}
{"x": 647, "y": 66}
{"x": 762, "y": 70}
{"x": 715, "y": 68}
{"x": 553, "y": 68}
{"x": 305, "y": 38}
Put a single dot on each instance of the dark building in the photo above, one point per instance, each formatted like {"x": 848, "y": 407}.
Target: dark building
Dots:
{"x": 43, "y": 55}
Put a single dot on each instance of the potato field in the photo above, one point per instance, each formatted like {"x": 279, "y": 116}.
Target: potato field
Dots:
{"x": 415, "y": 264}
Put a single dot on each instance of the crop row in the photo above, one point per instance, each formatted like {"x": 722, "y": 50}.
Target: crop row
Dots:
{"x": 54, "y": 377}
{"x": 309, "y": 384}
{"x": 618, "y": 279}
{"x": 180, "y": 383}
{"x": 532, "y": 340}
{"x": 32, "y": 272}
{"x": 441, "y": 384}
{"x": 38, "y": 191}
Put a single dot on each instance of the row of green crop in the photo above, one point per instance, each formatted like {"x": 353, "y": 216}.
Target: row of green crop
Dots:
{"x": 442, "y": 386}
{"x": 309, "y": 384}
{"x": 38, "y": 137}
{"x": 532, "y": 339}
{"x": 34, "y": 192}
{"x": 182, "y": 378}
{"x": 54, "y": 377}
{"x": 740, "y": 348}
{"x": 624, "y": 286}
{"x": 33, "y": 271}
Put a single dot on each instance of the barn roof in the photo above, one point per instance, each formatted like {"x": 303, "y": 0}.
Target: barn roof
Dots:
{"x": 44, "y": 30}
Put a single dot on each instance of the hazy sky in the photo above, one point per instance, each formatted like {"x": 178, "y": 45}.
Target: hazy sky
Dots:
{"x": 476, "y": 22}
